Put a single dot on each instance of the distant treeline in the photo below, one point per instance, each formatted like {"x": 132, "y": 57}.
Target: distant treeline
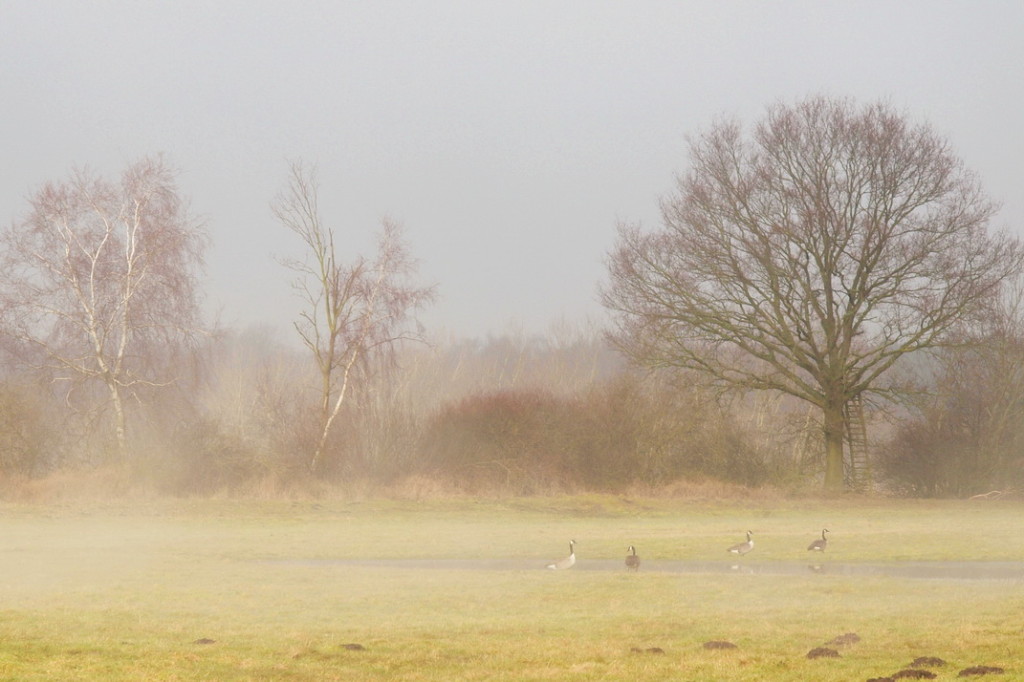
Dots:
{"x": 506, "y": 415}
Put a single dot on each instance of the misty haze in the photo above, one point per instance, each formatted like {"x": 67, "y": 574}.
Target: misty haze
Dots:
{"x": 530, "y": 341}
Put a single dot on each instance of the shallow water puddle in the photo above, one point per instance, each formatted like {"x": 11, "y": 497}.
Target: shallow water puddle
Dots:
{"x": 925, "y": 570}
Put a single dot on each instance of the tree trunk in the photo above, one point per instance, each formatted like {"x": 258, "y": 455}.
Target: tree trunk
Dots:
{"x": 835, "y": 432}
{"x": 119, "y": 420}
{"x": 325, "y": 430}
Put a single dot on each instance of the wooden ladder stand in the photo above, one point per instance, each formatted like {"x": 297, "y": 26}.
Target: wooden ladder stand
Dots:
{"x": 856, "y": 467}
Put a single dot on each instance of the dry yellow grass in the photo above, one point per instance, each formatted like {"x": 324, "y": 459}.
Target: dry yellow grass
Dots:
{"x": 125, "y": 591}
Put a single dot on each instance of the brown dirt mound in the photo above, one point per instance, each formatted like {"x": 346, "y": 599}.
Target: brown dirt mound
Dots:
{"x": 981, "y": 670}
{"x": 846, "y": 639}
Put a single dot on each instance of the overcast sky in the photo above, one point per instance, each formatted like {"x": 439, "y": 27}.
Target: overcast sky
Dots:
{"x": 509, "y": 138}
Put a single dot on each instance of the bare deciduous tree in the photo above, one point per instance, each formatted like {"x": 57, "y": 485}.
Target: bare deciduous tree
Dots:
{"x": 353, "y": 311}
{"x": 810, "y": 256}
{"x": 100, "y": 282}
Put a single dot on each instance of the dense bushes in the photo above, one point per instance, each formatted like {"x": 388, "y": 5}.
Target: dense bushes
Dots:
{"x": 205, "y": 459}
{"x": 515, "y": 440}
{"x": 935, "y": 454}
{"x": 26, "y": 439}
{"x": 626, "y": 431}
{"x": 966, "y": 435}
{"x": 528, "y": 417}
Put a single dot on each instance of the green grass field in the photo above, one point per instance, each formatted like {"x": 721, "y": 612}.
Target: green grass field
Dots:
{"x": 124, "y": 592}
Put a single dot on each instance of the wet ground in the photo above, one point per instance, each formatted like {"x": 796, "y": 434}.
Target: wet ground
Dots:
{"x": 925, "y": 570}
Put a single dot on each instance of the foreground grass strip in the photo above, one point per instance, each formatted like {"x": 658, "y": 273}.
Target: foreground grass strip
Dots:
{"x": 125, "y": 594}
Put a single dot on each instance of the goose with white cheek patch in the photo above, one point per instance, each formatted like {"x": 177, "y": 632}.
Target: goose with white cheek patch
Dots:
{"x": 567, "y": 562}
{"x": 819, "y": 545}
{"x": 632, "y": 560}
{"x": 743, "y": 547}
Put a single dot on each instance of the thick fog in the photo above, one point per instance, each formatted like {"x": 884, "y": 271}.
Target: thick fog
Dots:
{"x": 508, "y": 138}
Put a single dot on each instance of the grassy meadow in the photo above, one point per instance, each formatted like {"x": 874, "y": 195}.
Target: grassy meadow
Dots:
{"x": 121, "y": 591}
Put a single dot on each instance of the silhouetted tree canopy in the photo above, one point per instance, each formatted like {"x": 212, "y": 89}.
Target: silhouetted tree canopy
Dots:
{"x": 808, "y": 254}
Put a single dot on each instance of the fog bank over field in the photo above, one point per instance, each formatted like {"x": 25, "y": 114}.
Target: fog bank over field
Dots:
{"x": 509, "y": 139}
{"x": 496, "y": 250}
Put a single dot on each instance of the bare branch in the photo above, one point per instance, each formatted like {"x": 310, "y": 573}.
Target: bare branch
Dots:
{"x": 351, "y": 311}
{"x": 811, "y": 255}
{"x": 99, "y": 282}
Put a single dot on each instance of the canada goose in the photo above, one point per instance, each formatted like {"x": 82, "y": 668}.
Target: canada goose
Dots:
{"x": 568, "y": 561}
{"x": 743, "y": 547}
{"x": 632, "y": 560}
{"x": 819, "y": 545}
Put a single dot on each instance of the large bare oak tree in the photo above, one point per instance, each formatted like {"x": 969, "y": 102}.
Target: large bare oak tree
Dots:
{"x": 99, "y": 283}
{"x": 809, "y": 255}
{"x": 354, "y": 310}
